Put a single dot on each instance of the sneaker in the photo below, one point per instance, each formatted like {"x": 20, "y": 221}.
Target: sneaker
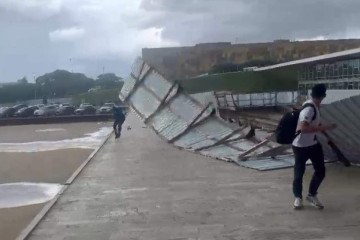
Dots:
{"x": 313, "y": 200}
{"x": 298, "y": 203}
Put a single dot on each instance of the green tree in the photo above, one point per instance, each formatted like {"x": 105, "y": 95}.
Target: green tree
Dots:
{"x": 108, "y": 80}
{"x": 16, "y": 92}
{"x": 23, "y": 81}
{"x": 61, "y": 83}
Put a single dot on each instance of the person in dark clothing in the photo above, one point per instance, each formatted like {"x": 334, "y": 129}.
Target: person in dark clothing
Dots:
{"x": 119, "y": 119}
{"x": 306, "y": 146}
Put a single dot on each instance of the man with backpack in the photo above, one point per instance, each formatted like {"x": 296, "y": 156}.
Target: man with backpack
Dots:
{"x": 306, "y": 146}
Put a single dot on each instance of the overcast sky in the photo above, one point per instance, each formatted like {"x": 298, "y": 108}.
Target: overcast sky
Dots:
{"x": 39, "y": 36}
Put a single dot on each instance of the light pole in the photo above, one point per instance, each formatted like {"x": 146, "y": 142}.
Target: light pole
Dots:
{"x": 35, "y": 86}
{"x": 71, "y": 68}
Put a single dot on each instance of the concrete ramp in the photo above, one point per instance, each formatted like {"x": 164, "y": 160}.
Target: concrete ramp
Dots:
{"x": 184, "y": 122}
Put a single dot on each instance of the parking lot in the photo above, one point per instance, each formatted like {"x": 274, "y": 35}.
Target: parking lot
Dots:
{"x": 64, "y": 109}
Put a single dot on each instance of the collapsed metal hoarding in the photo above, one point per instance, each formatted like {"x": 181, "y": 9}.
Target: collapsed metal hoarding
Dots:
{"x": 343, "y": 108}
{"x": 183, "y": 121}
{"x": 186, "y": 123}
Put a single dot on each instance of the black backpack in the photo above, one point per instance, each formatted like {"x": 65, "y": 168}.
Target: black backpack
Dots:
{"x": 285, "y": 132}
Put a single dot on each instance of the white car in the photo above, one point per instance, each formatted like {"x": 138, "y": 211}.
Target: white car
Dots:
{"x": 46, "y": 111}
{"x": 106, "y": 108}
{"x": 65, "y": 105}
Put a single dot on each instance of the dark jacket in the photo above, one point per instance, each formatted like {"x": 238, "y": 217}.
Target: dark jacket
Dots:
{"x": 118, "y": 114}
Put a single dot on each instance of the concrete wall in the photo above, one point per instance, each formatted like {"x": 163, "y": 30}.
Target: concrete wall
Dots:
{"x": 55, "y": 119}
{"x": 185, "y": 62}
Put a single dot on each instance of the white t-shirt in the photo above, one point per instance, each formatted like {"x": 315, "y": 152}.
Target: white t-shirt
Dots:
{"x": 306, "y": 115}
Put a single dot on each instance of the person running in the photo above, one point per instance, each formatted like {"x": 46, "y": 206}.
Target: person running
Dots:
{"x": 306, "y": 146}
{"x": 119, "y": 119}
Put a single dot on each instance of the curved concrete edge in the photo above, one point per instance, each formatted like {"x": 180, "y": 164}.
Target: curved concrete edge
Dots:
{"x": 32, "y": 225}
{"x": 29, "y": 228}
{"x": 83, "y": 165}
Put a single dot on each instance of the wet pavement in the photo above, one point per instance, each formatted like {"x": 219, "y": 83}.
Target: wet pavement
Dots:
{"x": 139, "y": 187}
{"x": 35, "y": 162}
{"x": 47, "y": 132}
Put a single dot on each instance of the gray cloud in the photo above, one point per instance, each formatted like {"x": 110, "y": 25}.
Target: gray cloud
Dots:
{"x": 42, "y": 35}
{"x": 256, "y": 20}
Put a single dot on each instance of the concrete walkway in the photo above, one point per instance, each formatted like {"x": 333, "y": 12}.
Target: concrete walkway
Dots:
{"x": 139, "y": 187}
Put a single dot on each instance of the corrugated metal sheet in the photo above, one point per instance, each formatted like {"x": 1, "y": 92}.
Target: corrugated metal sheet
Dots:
{"x": 168, "y": 124}
{"x": 144, "y": 71}
{"x": 205, "y": 98}
{"x": 129, "y": 84}
{"x": 194, "y": 140}
{"x": 177, "y": 116}
{"x": 271, "y": 163}
{"x": 265, "y": 164}
{"x": 181, "y": 119}
{"x": 185, "y": 108}
{"x": 137, "y": 67}
{"x": 222, "y": 152}
{"x": 346, "y": 114}
{"x": 157, "y": 84}
{"x": 172, "y": 94}
{"x": 215, "y": 128}
{"x": 144, "y": 102}
{"x": 205, "y": 134}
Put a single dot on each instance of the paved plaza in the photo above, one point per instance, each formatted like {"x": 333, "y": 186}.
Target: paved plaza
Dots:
{"x": 139, "y": 187}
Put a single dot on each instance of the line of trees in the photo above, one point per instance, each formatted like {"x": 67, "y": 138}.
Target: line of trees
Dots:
{"x": 57, "y": 84}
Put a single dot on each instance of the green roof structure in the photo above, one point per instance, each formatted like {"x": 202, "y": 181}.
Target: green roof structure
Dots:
{"x": 273, "y": 80}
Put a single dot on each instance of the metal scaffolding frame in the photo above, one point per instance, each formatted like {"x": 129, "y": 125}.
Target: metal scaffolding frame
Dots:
{"x": 235, "y": 102}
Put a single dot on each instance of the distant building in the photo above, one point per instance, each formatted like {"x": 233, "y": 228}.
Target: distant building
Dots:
{"x": 339, "y": 70}
{"x": 188, "y": 62}
{"x": 283, "y": 84}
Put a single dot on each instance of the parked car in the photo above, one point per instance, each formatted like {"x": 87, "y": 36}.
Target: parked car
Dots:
{"x": 85, "y": 109}
{"x": 26, "y": 112}
{"x": 2, "y": 109}
{"x": 106, "y": 108}
{"x": 6, "y": 112}
{"x": 65, "y": 105}
{"x": 46, "y": 111}
{"x": 39, "y": 106}
{"x": 65, "y": 110}
{"x": 19, "y": 106}
{"x": 85, "y": 104}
